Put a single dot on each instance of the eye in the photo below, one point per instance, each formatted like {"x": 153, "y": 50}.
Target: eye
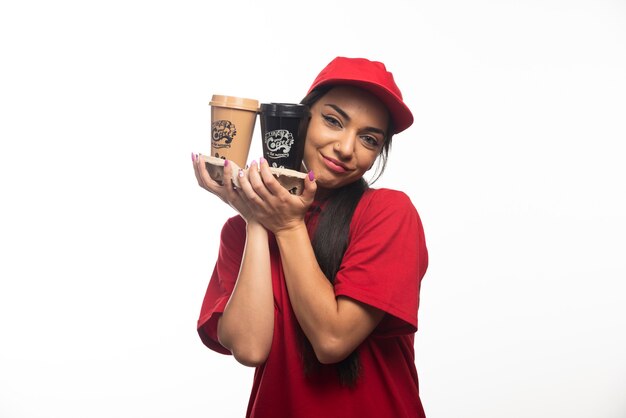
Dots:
{"x": 331, "y": 120}
{"x": 370, "y": 141}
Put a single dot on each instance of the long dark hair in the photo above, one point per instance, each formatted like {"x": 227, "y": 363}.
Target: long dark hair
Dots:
{"x": 331, "y": 241}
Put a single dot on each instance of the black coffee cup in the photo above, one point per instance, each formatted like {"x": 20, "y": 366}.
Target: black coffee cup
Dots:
{"x": 283, "y": 128}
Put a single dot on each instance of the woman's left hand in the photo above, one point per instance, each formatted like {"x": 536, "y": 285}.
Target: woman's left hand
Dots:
{"x": 273, "y": 206}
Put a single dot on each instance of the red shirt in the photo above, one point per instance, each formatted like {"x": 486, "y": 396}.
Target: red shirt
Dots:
{"x": 384, "y": 263}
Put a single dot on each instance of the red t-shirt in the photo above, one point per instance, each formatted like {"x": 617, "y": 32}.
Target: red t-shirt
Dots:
{"x": 383, "y": 265}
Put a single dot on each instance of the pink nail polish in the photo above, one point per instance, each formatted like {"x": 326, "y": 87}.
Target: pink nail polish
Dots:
{"x": 192, "y": 157}
{"x": 225, "y": 163}
{"x": 262, "y": 160}
{"x": 311, "y": 176}
{"x": 252, "y": 162}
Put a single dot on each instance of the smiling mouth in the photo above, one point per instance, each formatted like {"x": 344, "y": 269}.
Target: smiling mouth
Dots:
{"x": 335, "y": 166}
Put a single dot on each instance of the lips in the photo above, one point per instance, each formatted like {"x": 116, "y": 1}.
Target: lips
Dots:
{"x": 336, "y": 166}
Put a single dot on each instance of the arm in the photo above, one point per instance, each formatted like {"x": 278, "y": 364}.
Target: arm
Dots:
{"x": 247, "y": 324}
{"x": 335, "y": 326}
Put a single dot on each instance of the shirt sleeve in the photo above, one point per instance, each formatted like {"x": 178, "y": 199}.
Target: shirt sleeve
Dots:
{"x": 385, "y": 260}
{"x": 225, "y": 272}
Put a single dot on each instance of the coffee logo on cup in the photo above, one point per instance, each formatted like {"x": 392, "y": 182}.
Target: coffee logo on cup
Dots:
{"x": 223, "y": 130}
{"x": 278, "y": 143}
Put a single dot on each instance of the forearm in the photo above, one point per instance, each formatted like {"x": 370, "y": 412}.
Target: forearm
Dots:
{"x": 312, "y": 296}
{"x": 247, "y": 324}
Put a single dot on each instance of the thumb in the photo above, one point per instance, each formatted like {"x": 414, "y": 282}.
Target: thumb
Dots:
{"x": 310, "y": 187}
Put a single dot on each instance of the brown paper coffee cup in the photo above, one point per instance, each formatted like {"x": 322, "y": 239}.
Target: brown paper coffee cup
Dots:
{"x": 232, "y": 125}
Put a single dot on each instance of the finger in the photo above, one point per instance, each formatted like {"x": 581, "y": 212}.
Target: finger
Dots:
{"x": 254, "y": 176}
{"x": 270, "y": 182}
{"x": 310, "y": 188}
{"x": 248, "y": 193}
{"x": 196, "y": 169}
{"x": 231, "y": 192}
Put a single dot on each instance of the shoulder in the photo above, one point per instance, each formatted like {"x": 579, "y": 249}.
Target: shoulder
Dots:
{"x": 386, "y": 210}
{"x": 387, "y": 201}
{"x": 234, "y": 229}
{"x": 234, "y": 223}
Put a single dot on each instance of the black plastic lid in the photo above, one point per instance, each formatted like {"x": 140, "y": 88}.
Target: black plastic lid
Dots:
{"x": 290, "y": 110}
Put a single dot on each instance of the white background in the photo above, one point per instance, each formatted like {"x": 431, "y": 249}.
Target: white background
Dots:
{"x": 515, "y": 163}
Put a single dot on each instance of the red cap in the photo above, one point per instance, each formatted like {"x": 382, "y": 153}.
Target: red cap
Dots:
{"x": 373, "y": 77}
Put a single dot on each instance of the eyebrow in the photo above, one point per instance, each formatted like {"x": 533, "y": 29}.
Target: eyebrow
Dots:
{"x": 347, "y": 117}
{"x": 339, "y": 110}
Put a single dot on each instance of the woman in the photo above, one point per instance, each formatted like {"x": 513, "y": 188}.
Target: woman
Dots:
{"x": 320, "y": 292}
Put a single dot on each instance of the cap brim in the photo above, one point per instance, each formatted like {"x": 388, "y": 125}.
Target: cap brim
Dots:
{"x": 401, "y": 115}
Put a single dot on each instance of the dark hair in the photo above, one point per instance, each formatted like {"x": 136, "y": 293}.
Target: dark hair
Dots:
{"x": 331, "y": 240}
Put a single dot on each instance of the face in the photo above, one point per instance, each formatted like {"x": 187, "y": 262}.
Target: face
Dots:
{"x": 345, "y": 136}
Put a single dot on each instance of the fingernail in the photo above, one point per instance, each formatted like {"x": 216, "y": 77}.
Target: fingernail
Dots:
{"x": 240, "y": 172}
{"x": 311, "y": 176}
{"x": 225, "y": 163}
{"x": 192, "y": 157}
{"x": 253, "y": 162}
{"x": 262, "y": 160}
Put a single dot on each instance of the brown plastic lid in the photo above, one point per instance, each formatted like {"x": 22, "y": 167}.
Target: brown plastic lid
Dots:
{"x": 234, "y": 102}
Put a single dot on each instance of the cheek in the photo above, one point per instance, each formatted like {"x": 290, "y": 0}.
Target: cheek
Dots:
{"x": 311, "y": 142}
{"x": 308, "y": 146}
{"x": 309, "y": 150}
{"x": 368, "y": 160}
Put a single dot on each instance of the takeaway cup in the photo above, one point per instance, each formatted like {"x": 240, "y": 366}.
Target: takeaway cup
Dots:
{"x": 283, "y": 128}
{"x": 232, "y": 125}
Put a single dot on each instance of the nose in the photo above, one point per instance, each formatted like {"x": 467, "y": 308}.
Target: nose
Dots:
{"x": 344, "y": 147}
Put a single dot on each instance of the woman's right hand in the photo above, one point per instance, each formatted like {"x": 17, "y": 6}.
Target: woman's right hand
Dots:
{"x": 227, "y": 192}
